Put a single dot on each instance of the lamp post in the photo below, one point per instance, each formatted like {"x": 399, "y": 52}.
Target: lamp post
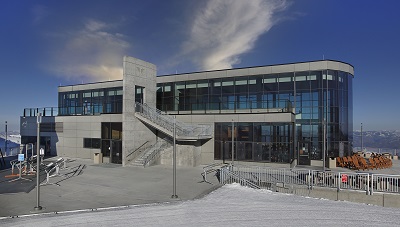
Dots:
{"x": 174, "y": 195}
{"x": 233, "y": 140}
{"x": 362, "y": 145}
{"x": 39, "y": 120}
{"x": 5, "y": 144}
{"x": 324, "y": 144}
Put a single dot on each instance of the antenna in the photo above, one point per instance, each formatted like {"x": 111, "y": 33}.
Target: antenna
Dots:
{"x": 323, "y": 57}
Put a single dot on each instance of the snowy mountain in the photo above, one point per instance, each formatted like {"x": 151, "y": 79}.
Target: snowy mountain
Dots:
{"x": 377, "y": 139}
{"x": 12, "y": 136}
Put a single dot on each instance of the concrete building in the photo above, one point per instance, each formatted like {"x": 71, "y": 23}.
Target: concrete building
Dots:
{"x": 297, "y": 113}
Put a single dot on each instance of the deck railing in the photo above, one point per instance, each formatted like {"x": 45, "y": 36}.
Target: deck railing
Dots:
{"x": 167, "y": 121}
{"x": 264, "y": 177}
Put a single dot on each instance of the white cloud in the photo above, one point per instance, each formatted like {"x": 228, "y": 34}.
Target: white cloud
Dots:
{"x": 91, "y": 53}
{"x": 225, "y": 29}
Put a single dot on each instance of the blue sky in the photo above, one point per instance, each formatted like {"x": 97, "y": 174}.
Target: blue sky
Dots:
{"x": 44, "y": 44}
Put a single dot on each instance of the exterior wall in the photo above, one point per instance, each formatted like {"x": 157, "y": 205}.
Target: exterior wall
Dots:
{"x": 135, "y": 133}
{"x": 78, "y": 127}
{"x": 188, "y": 154}
{"x": 69, "y": 142}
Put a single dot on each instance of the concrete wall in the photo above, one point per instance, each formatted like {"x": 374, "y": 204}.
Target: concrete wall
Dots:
{"x": 75, "y": 128}
{"x": 378, "y": 199}
{"x": 69, "y": 142}
{"x": 188, "y": 154}
{"x": 136, "y": 73}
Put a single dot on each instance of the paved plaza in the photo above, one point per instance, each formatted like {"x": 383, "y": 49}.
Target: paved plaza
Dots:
{"x": 91, "y": 186}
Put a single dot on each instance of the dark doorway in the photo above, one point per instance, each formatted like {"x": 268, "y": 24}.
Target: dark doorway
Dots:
{"x": 304, "y": 153}
{"x": 111, "y": 141}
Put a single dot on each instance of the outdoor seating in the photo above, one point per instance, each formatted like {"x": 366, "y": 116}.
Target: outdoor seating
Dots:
{"x": 364, "y": 164}
{"x": 340, "y": 162}
{"x": 372, "y": 163}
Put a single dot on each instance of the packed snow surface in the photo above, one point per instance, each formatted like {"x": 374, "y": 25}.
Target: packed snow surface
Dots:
{"x": 231, "y": 205}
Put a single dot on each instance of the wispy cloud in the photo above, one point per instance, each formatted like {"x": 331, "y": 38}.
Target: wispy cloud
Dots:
{"x": 90, "y": 53}
{"x": 39, "y": 12}
{"x": 225, "y": 29}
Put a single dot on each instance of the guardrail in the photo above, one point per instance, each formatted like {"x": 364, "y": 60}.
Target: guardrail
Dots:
{"x": 156, "y": 151}
{"x": 166, "y": 121}
{"x": 282, "y": 106}
{"x": 264, "y": 177}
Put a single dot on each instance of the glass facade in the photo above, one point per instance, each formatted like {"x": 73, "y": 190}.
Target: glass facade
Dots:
{"x": 235, "y": 93}
{"x": 90, "y": 102}
{"x": 322, "y": 100}
{"x": 261, "y": 142}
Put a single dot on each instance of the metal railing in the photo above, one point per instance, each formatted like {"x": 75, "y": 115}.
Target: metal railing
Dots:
{"x": 156, "y": 151}
{"x": 141, "y": 148}
{"x": 265, "y": 177}
{"x": 281, "y": 106}
{"x": 226, "y": 175}
{"x": 44, "y": 111}
{"x": 166, "y": 121}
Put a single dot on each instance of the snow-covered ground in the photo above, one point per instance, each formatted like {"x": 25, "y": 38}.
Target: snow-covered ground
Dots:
{"x": 231, "y": 205}
{"x": 15, "y": 138}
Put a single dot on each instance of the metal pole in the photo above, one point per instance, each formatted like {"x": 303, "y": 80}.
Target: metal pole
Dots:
{"x": 324, "y": 144}
{"x": 174, "y": 195}
{"x": 362, "y": 148}
{"x": 39, "y": 119}
{"x": 233, "y": 140}
{"x": 295, "y": 147}
{"x": 5, "y": 148}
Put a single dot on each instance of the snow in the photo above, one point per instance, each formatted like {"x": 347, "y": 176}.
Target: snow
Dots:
{"x": 230, "y": 205}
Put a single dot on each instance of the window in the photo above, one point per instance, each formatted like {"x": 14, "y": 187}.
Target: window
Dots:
{"x": 91, "y": 143}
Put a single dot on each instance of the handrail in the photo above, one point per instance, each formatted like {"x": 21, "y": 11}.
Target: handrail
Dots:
{"x": 208, "y": 168}
{"x": 158, "y": 146}
{"x": 137, "y": 149}
{"x": 166, "y": 121}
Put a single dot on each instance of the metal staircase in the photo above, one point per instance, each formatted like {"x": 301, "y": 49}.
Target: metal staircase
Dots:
{"x": 165, "y": 123}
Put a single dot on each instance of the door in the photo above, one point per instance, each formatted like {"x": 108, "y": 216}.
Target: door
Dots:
{"x": 116, "y": 152}
{"x": 304, "y": 153}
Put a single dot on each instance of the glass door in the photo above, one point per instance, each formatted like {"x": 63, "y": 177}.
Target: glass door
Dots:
{"x": 116, "y": 152}
{"x": 304, "y": 153}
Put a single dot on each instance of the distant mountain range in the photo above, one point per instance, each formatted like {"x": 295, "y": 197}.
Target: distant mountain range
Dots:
{"x": 377, "y": 139}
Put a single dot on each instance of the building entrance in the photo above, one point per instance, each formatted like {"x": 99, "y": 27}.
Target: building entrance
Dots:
{"x": 304, "y": 153}
{"x": 111, "y": 141}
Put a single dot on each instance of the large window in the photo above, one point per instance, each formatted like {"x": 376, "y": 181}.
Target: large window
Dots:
{"x": 261, "y": 142}
{"x": 90, "y": 102}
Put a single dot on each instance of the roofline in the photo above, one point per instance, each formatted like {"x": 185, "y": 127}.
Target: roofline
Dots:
{"x": 257, "y": 67}
{"x": 90, "y": 83}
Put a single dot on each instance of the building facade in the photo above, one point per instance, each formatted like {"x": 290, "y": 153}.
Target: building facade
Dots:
{"x": 291, "y": 113}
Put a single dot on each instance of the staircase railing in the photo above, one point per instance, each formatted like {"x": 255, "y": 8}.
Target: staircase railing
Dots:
{"x": 167, "y": 121}
{"x": 141, "y": 148}
{"x": 156, "y": 150}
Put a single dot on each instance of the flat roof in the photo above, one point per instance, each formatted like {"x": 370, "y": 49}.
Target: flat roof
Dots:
{"x": 210, "y": 74}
